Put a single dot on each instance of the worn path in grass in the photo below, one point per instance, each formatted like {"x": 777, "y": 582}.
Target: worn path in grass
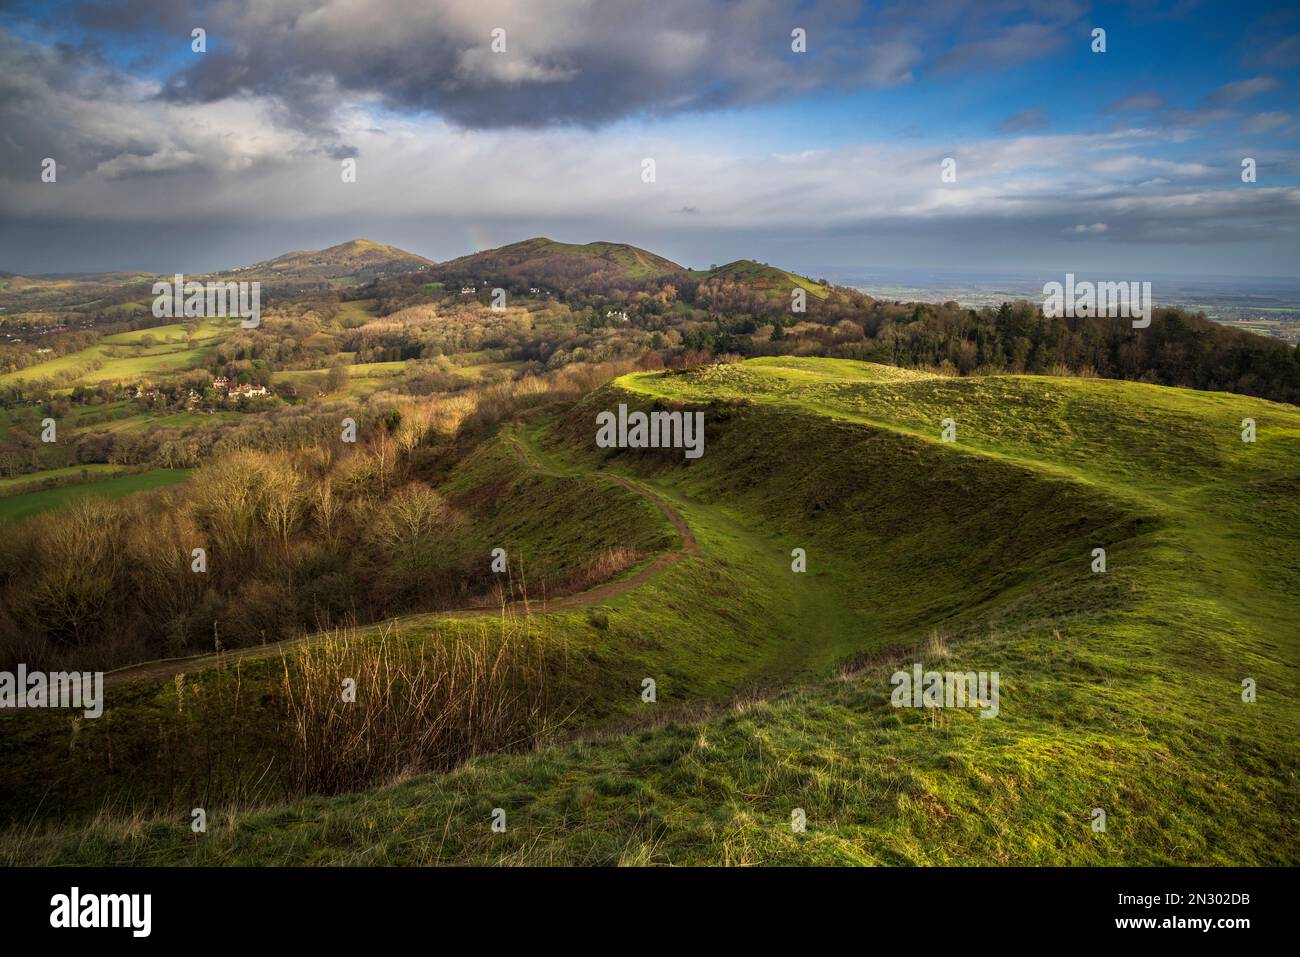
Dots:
{"x": 824, "y": 628}
{"x": 599, "y": 594}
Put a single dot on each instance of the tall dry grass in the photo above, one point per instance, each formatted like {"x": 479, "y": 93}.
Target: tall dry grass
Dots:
{"x": 603, "y": 567}
{"x": 423, "y": 706}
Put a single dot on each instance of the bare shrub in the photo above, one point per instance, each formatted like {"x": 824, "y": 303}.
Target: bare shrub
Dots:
{"x": 81, "y": 567}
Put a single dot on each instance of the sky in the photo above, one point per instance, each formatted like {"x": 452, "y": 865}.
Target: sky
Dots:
{"x": 1065, "y": 158}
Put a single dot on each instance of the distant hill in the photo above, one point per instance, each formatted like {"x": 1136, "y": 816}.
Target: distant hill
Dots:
{"x": 356, "y": 261}
{"x": 545, "y": 262}
{"x": 67, "y": 290}
{"x": 599, "y": 267}
{"x": 767, "y": 280}
{"x": 351, "y": 263}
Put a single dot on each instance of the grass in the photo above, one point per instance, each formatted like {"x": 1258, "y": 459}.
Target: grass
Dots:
{"x": 1119, "y": 690}
{"x": 171, "y": 334}
{"x": 16, "y": 507}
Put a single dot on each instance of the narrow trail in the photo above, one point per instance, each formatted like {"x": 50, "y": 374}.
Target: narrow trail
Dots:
{"x": 164, "y": 668}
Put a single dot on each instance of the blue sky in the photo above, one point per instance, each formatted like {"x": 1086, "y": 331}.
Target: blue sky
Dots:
{"x": 1065, "y": 158}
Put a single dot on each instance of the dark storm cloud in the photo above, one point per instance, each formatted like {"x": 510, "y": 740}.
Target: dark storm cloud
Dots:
{"x": 564, "y": 62}
{"x": 40, "y": 84}
{"x": 181, "y": 159}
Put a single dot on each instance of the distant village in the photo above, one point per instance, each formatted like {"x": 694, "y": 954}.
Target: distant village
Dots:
{"x": 470, "y": 288}
{"x": 220, "y": 385}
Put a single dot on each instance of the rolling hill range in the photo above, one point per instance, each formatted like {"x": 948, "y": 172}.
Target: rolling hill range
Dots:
{"x": 540, "y": 262}
{"x": 1121, "y": 689}
{"x": 555, "y": 265}
{"x": 350, "y": 263}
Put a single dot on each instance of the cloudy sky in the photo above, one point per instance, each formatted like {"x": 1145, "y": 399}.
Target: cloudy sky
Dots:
{"x": 1065, "y": 159}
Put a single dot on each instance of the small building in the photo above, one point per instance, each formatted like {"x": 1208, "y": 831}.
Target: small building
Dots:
{"x": 220, "y": 384}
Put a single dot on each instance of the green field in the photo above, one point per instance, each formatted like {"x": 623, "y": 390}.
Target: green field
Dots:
{"x": 363, "y": 377}
{"x": 125, "y": 416}
{"x": 173, "y": 333}
{"x": 124, "y": 357}
{"x": 73, "y": 473}
{"x": 356, "y": 312}
{"x": 1120, "y": 690}
{"x": 367, "y": 377}
{"x": 19, "y": 506}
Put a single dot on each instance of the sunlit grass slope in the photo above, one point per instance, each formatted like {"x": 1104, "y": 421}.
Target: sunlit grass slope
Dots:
{"x": 1120, "y": 690}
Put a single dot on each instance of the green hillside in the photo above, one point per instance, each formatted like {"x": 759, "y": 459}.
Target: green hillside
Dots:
{"x": 1120, "y": 690}
{"x": 769, "y": 280}
{"x": 551, "y": 263}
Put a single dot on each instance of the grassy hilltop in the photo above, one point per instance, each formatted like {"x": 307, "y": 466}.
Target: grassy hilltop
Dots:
{"x": 768, "y": 281}
{"x": 1120, "y": 690}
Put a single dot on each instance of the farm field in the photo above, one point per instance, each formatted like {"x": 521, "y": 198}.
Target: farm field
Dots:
{"x": 72, "y": 473}
{"x": 125, "y": 357}
{"x": 363, "y": 377}
{"x": 124, "y": 416}
{"x": 16, "y": 507}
